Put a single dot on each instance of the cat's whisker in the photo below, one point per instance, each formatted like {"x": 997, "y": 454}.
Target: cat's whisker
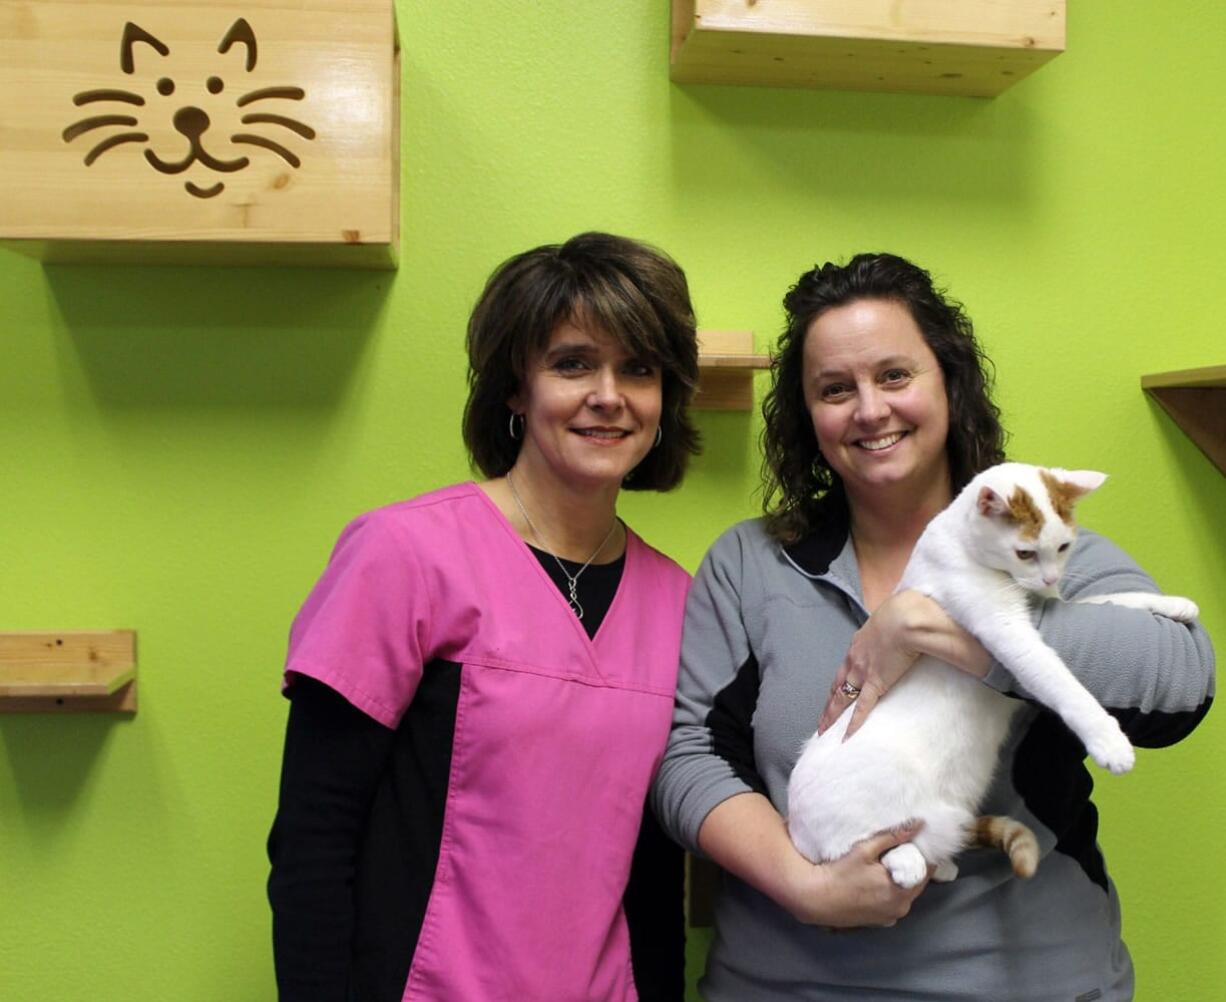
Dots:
{"x": 97, "y": 122}
{"x": 252, "y": 140}
{"x": 264, "y": 93}
{"x": 304, "y": 130}
{"x": 89, "y": 96}
{"x": 107, "y": 144}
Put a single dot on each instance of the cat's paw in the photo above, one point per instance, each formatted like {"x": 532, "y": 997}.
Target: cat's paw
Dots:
{"x": 906, "y": 865}
{"x": 1176, "y": 607}
{"x": 945, "y": 872}
{"x": 1110, "y": 748}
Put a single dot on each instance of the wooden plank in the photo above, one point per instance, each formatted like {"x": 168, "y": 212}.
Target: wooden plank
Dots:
{"x": 972, "y": 48}
{"x": 72, "y": 670}
{"x": 1209, "y": 375}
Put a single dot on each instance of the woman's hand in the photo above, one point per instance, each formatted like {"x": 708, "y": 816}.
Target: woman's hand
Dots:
{"x": 747, "y": 837}
{"x": 905, "y": 625}
{"x": 854, "y": 891}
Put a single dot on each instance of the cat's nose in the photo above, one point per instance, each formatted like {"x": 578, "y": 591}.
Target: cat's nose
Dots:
{"x": 191, "y": 121}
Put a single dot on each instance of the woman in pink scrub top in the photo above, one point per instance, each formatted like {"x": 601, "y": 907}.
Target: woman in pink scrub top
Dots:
{"x": 482, "y": 680}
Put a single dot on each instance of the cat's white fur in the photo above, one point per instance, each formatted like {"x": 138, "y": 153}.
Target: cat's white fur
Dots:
{"x": 929, "y": 748}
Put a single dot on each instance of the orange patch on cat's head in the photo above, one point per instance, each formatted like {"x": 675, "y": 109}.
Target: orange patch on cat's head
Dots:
{"x": 1063, "y": 495}
{"x": 1025, "y": 513}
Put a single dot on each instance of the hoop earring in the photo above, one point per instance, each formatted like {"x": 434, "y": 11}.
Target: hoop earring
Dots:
{"x": 659, "y": 436}
{"x": 511, "y": 426}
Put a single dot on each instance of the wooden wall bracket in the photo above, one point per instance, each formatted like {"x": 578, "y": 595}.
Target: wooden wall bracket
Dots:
{"x": 1195, "y": 399}
{"x": 75, "y": 671}
{"x": 726, "y": 363}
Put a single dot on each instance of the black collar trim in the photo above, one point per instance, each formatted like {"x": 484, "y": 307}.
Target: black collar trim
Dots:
{"x": 813, "y": 554}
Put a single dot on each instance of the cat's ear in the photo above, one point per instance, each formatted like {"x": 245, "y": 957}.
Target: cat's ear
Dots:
{"x": 990, "y": 503}
{"x": 1078, "y": 483}
{"x": 240, "y": 33}
{"x": 132, "y": 34}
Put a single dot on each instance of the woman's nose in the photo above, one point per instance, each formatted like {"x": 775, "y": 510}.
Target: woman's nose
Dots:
{"x": 605, "y": 391}
{"x": 871, "y": 405}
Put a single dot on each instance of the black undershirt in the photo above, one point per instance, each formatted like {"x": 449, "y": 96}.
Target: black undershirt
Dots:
{"x": 333, "y": 771}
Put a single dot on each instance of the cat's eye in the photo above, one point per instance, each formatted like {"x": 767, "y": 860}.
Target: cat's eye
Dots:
{"x": 1025, "y": 554}
{"x": 214, "y": 84}
{"x": 166, "y": 86}
{"x": 1063, "y": 548}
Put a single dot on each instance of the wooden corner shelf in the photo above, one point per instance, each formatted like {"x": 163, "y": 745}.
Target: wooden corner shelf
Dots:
{"x": 972, "y": 48}
{"x": 1195, "y": 399}
{"x": 75, "y": 671}
{"x": 726, "y": 363}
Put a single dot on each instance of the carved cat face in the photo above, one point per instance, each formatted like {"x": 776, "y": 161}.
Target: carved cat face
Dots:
{"x": 203, "y": 150}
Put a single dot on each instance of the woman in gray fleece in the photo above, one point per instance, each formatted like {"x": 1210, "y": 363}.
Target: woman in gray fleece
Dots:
{"x": 879, "y": 413}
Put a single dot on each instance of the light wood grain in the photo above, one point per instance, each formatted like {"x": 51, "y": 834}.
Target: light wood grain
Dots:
{"x": 73, "y": 670}
{"x": 727, "y": 362}
{"x": 958, "y": 47}
{"x": 330, "y": 183}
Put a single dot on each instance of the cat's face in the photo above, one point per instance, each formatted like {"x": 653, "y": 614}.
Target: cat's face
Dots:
{"x": 215, "y": 111}
{"x": 1023, "y": 521}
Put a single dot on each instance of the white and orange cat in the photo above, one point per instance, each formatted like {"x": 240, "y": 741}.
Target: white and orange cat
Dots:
{"x": 929, "y": 748}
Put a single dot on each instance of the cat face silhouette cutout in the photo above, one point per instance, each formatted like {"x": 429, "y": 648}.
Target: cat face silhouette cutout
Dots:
{"x": 191, "y": 121}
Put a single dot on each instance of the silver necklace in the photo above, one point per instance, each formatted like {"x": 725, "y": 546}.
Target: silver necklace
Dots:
{"x": 572, "y": 580}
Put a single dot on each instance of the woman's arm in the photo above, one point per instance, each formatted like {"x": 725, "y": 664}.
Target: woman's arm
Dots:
{"x": 655, "y": 914}
{"x": 334, "y": 756}
{"x": 1154, "y": 674}
{"x": 709, "y": 794}
{"x": 905, "y": 625}
{"x": 747, "y": 837}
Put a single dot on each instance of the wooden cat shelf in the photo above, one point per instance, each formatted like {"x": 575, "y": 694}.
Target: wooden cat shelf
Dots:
{"x": 69, "y": 672}
{"x": 972, "y": 48}
{"x": 189, "y": 133}
{"x": 726, "y": 364}
{"x": 1195, "y": 399}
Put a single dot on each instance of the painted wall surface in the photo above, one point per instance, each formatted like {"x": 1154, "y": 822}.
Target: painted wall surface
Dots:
{"x": 179, "y": 447}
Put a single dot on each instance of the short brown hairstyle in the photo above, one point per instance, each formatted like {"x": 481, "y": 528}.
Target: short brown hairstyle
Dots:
{"x": 799, "y": 487}
{"x": 627, "y": 289}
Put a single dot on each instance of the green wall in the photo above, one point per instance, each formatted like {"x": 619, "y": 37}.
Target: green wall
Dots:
{"x": 180, "y": 447}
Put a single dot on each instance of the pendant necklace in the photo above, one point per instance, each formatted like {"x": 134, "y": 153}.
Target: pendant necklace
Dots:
{"x": 572, "y": 580}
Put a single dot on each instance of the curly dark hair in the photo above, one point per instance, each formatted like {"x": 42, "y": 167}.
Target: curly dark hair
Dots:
{"x": 799, "y": 487}
{"x": 626, "y": 288}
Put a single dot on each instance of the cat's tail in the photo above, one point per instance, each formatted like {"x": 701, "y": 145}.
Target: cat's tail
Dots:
{"x": 1011, "y": 837}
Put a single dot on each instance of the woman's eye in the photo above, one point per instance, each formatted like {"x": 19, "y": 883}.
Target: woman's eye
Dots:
{"x": 834, "y": 391}
{"x": 643, "y": 369}
{"x": 1024, "y": 554}
{"x": 570, "y": 363}
{"x": 895, "y": 376}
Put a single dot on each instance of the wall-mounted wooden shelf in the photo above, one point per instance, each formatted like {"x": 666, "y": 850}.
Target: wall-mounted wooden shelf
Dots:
{"x": 972, "y": 48}
{"x": 69, "y": 672}
{"x": 186, "y": 133}
{"x": 727, "y": 362}
{"x": 1195, "y": 399}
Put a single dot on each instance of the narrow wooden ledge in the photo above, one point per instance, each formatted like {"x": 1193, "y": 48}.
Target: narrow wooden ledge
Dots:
{"x": 726, "y": 363}
{"x": 75, "y": 671}
{"x": 1195, "y": 399}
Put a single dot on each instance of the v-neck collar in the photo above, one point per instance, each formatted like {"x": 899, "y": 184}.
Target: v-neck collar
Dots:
{"x": 589, "y": 644}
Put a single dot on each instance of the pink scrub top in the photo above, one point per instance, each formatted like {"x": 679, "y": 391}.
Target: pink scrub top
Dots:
{"x": 556, "y": 736}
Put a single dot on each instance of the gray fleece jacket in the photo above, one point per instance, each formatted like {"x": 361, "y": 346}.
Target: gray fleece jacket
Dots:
{"x": 766, "y": 629}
